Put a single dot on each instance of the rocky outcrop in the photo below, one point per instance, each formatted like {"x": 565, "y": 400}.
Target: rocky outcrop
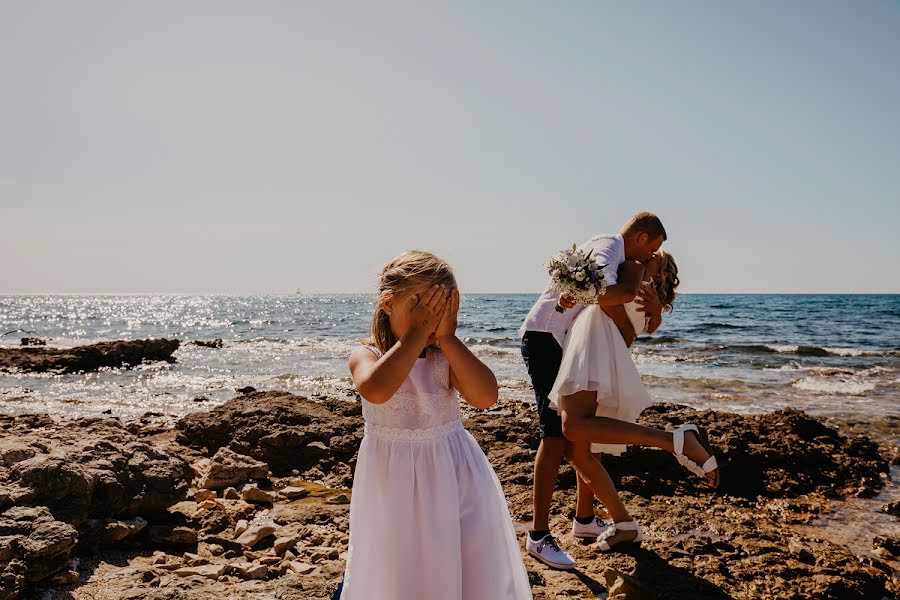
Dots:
{"x": 285, "y": 431}
{"x": 89, "y": 482}
{"x": 86, "y": 358}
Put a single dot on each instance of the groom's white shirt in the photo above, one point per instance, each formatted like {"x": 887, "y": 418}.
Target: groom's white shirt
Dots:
{"x": 608, "y": 250}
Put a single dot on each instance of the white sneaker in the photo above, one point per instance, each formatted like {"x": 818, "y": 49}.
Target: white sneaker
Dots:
{"x": 548, "y": 552}
{"x": 591, "y": 530}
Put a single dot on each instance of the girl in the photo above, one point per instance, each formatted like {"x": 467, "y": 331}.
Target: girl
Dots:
{"x": 428, "y": 518}
{"x": 599, "y": 394}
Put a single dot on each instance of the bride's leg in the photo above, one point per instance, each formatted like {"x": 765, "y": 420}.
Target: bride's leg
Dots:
{"x": 603, "y": 430}
{"x": 584, "y": 504}
{"x": 595, "y": 476}
{"x": 580, "y": 424}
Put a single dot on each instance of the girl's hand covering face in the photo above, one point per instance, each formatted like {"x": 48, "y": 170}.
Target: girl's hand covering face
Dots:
{"x": 447, "y": 325}
{"x": 426, "y": 314}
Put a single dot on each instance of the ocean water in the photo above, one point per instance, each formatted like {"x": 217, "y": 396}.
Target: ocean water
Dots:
{"x": 831, "y": 355}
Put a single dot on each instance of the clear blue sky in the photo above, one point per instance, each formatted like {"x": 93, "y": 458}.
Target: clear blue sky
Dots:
{"x": 275, "y": 146}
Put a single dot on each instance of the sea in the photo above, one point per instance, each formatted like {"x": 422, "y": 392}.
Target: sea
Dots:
{"x": 836, "y": 356}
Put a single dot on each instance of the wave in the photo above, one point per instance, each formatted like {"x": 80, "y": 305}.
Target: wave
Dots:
{"x": 501, "y": 341}
{"x": 807, "y": 350}
{"x": 663, "y": 339}
{"x": 488, "y": 350}
{"x": 714, "y": 326}
{"x": 834, "y": 385}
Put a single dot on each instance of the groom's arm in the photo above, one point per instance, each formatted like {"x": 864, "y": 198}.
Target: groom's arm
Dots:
{"x": 627, "y": 284}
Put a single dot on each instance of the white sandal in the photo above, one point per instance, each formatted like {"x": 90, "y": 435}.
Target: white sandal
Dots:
{"x": 711, "y": 463}
{"x": 631, "y": 525}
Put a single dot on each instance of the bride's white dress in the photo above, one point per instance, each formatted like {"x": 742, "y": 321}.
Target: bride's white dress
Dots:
{"x": 595, "y": 358}
{"x": 428, "y": 518}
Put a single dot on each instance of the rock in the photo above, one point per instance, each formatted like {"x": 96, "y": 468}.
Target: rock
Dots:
{"x": 625, "y": 587}
{"x": 892, "y": 508}
{"x": 246, "y": 390}
{"x": 250, "y": 570}
{"x": 254, "y": 535}
{"x": 241, "y": 527}
{"x": 65, "y": 577}
{"x": 216, "y": 343}
{"x": 285, "y": 431}
{"x": 202, "y": 495}
{"x": 178, "y": 536}
{"x": 889, "y": 544}
{"x": 228, "y": 468}
{"x": 208, "y": 571}
{"x": 284, "y": 544}
{"x": 339, "y": 499}
{"x": 216, "y": 549}
{"x": 89, "y": 481}
{"x": 801, "y": 552}
{"x": 251, "y": 493}
{"x": 34, "y": 545}
{"x": 92, "y": 468}
{"x": 107, "y": 532}
{"x": 301, "y": 568}
{"x": 194, "y": 559}
{"x": 86, "y": 358}
{"x": 207, "y": 504}
{"x": 294, "y": 493}
{"x": 33, "y": 341}
{"x": 231, "y": 494}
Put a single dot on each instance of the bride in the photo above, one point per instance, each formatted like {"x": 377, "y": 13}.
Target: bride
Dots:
{"x": 599, "y": 393}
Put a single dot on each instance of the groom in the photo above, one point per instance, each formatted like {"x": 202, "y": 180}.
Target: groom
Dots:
{"x": 543, "y": 334}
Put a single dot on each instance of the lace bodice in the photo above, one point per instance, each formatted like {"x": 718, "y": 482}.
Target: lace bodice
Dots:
{"x": 424, "y": 401}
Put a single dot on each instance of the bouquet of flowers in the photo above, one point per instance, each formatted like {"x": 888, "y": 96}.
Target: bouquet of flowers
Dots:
{"x": 574, "y": 274}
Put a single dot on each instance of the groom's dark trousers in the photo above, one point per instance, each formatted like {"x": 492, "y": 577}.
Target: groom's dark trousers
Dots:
{"x": 543, "y": 357}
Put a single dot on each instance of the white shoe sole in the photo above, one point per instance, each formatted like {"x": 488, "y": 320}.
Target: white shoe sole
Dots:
{"x": 551, "y": 563}
{"x": 586, "y": 536}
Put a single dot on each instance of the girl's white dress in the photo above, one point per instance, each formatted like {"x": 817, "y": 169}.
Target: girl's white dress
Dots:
{"x": 428, "y": 518}
{"x": 596, "y": 358}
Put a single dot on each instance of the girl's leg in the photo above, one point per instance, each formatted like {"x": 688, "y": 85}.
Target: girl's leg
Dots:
{"x": 591, "y": 428}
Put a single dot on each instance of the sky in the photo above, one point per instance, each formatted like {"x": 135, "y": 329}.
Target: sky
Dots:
{"x": 269, "y": 147}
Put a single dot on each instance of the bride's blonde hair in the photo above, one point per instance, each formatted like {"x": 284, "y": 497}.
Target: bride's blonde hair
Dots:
{"x": 409, "y": 272}
{"x": 668, "y": 280}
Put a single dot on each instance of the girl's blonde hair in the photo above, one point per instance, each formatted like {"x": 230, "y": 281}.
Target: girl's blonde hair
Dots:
{"x": 409, "y": 272}
{"x": 668, "y": 280}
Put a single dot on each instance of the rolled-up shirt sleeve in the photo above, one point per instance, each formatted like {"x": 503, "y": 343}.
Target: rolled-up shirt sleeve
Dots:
{"x": 610, "y": 252}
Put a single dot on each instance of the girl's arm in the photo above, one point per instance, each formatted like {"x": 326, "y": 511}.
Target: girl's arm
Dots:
{"x": 377, "y": 379}
{"x": 471, "y": 377}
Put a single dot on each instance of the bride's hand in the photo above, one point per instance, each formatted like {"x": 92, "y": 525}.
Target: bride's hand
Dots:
{"x": 648, "y": 301}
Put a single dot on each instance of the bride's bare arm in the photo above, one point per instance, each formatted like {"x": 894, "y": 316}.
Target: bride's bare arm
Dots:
{"x": 620, "y": 318}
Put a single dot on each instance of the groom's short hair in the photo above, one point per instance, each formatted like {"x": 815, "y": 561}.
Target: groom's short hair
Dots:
{"x": 646, "y": 222}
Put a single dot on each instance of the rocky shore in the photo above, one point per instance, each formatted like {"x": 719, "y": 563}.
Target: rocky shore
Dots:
{"x": 251, "y": 499}
{"x": 35, "y": 357}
